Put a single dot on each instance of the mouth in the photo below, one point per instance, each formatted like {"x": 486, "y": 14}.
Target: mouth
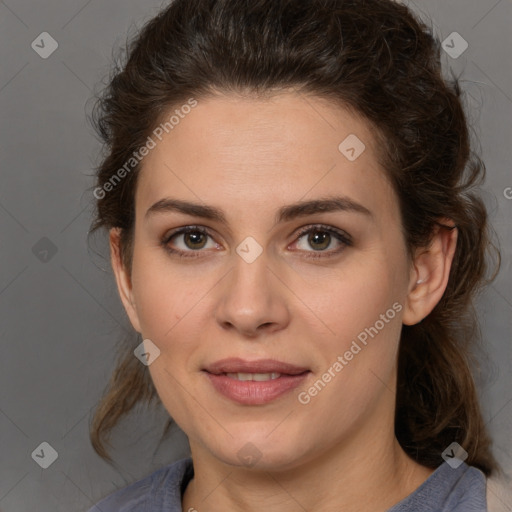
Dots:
{"x": 254, "y": 382}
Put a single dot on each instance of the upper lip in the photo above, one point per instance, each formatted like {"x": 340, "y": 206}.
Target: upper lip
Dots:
{"x": 238, "y": 365}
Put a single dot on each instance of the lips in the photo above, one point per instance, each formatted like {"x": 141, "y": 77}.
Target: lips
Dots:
{"x": 254, "y": 382}
{"x": 238, "y": 365}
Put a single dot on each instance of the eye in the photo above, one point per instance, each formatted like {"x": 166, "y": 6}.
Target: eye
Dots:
{"x": 320, "y": 238}
{"x": 187, "y": 241}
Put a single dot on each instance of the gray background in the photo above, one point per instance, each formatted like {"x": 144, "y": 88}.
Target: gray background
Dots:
{"x": 60, "y": 317}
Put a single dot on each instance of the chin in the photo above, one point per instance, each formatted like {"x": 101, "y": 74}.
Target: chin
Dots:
{"x": 260, "y": 454}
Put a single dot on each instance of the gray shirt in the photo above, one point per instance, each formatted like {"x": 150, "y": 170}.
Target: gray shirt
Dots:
{"x": 446, "y": 490}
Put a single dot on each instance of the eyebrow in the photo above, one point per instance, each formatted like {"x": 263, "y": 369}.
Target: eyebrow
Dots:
{"x": 285, "y": 213}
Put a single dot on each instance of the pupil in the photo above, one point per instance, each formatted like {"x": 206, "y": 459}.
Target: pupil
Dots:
{"x": 320, "y": 237}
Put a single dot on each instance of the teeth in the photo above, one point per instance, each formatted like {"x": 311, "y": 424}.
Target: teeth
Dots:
{"x": 253, "y": 376}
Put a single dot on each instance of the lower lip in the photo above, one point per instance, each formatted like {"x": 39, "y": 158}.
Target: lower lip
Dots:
{"x": 250, "y": 392}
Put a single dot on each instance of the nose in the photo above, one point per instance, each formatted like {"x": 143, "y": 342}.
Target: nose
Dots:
{"x": 252, "y": 300}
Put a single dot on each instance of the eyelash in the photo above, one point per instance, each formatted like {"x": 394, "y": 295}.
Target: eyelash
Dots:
{"x": 338, "y": 234}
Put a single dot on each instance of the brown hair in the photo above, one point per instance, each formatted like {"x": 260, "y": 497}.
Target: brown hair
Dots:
{"x": 377, "y": 58}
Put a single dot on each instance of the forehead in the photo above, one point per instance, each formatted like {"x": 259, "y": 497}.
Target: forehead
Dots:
{"x": 262, "y": 150}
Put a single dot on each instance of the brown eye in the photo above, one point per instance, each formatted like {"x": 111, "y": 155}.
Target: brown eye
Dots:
{"x": 189, "y": 242}
{"x": 322, "y": 241}
{"x": 194, "y": 239}
{"x": 319, "y": 240}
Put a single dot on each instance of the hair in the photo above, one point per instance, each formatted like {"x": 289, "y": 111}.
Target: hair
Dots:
{"x": 379, "y": 60}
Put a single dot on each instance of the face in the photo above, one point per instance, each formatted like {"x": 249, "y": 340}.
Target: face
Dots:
{"x": 294, "y": 253}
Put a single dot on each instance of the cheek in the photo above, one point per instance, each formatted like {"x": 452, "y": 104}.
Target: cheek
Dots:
{"x": 353, "y": 299}
{"x": 171, "y": 307}
{"x": 159, "y": 294}
{"x": 170, "y": 310}
{"x": 358, "y": 357}
{"x": 362, "y": 309}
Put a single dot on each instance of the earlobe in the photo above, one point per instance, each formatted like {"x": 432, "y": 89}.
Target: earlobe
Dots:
{"x": 123, "y": 279}
{"x": 430, "y": 274}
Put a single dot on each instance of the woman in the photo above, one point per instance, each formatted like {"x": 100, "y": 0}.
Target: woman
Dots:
{"x": 294, "y": 234}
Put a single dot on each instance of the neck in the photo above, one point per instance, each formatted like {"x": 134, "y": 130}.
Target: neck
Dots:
{"x": 373, "y": 479}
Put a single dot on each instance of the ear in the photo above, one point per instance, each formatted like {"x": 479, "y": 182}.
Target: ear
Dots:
{"x": 430, "y": 273}
{"x": 123, "y": 279}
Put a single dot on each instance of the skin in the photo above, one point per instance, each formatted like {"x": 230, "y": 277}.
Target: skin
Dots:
{"x": 249, "y": 157}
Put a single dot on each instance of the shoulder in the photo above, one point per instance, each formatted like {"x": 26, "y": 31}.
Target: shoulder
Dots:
{"x": 448, "y": 489}
{"x": 159, "y": 491}
{"x": 468, "y": 492}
